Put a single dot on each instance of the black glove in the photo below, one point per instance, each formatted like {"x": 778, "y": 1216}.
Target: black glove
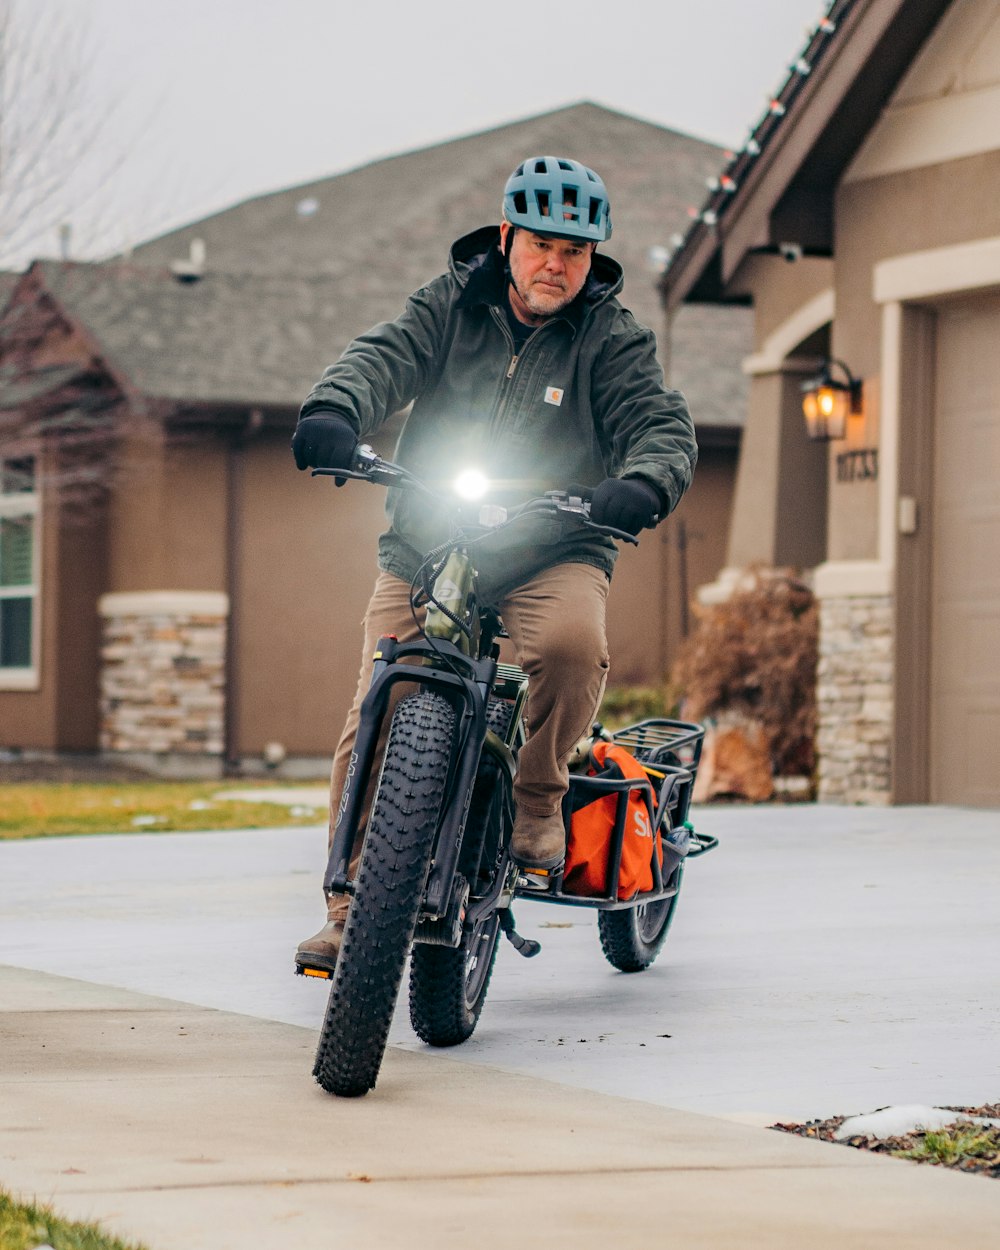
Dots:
{"x": 625, "y": 503}
{"x": 324, "y": 440}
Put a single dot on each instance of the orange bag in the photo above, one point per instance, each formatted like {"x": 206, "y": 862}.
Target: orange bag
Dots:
{"x": 592, "y": 824}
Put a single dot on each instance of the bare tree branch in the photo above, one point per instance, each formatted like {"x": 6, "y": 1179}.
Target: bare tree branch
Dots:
{"x": 48, "y": 126}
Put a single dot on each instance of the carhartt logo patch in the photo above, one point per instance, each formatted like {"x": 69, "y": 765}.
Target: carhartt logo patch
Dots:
{"x": 553, "y": 395}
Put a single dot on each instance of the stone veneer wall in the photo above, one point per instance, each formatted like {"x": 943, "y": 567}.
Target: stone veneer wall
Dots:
{"x": 855, "y": 704}
{"x": 163, "y": 672}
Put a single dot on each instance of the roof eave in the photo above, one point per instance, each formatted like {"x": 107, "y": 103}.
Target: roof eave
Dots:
{"x": 828, "y": 118}
{"x": 36, "y": 282}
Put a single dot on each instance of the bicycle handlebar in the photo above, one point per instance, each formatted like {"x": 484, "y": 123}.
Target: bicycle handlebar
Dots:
{"x": 370, "y": 467}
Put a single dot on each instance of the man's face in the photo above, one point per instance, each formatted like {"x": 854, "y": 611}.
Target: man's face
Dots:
{"x": 547, "y": 273}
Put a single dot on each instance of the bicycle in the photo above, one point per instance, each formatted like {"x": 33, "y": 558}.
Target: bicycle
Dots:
{"x": 436, "y": 874}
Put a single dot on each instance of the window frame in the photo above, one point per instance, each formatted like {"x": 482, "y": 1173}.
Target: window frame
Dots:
{"x": 25, "y": 504}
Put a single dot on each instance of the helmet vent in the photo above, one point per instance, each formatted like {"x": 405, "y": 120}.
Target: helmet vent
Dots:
{"x": 555, "y": 194}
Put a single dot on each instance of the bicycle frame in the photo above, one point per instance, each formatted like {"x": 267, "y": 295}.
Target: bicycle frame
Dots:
{"x": 449, "y": 659}
{"x": 436, "y": 865}
{"x": 467, "y": 682}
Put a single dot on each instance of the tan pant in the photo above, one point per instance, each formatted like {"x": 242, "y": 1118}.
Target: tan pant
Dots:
{"x": 556, "y": 624}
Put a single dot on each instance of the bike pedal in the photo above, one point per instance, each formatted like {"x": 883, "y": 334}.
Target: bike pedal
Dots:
{"x": 304, "y": 970}
{"x": 534, "y": 882}
{"x": 541, "y": 880}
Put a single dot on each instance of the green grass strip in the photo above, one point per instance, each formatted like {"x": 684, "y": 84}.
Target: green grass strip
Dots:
{"x": 26, "y": 1225}
{"x": 38, "y": 810}
{"x": 951, "y": 1145}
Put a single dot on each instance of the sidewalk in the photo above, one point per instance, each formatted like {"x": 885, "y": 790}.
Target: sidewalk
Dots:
{"x": 824, "y": 961}
{"x": 194, "y": 1129}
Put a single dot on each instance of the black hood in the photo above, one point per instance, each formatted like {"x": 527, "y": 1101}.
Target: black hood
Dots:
{"x": 480, "y": 268}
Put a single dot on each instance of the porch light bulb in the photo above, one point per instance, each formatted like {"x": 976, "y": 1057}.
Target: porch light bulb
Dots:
{"x": 825, "y": 410}
{"x": 827, "y": 402}
{"x": 471, "y": 484}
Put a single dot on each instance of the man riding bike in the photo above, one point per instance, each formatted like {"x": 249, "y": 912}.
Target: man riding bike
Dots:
{"x": 521, "y": 361}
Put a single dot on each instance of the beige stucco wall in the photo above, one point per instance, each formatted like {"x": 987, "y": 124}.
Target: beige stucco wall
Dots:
{"x": 646, "y": 609}
{"x": 947, "y": 105}
{"x": 307, "y": 570}
{"x": 779, "y": 288}
{"x": 168, "y": 511}
{"x": 778, "y": 515}
{"x": 891, "y": 215}
{"x": 920, "y": 200}
{"x": 927, "y": 176}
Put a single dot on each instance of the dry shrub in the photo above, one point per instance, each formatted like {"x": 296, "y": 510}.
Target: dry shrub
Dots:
{"x": 624, "y": 705}
{"x": 755, "y": 655}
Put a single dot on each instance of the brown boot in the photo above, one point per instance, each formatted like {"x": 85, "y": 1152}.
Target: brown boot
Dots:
{"x": 317, "y": 955}
{"x": 538, "y": 843}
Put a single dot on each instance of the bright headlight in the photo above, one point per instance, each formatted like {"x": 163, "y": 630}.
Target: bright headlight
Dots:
{"x": 471, "y": 484}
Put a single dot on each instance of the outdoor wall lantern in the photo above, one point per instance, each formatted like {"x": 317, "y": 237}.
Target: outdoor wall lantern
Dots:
{"x": 827, "y": 401}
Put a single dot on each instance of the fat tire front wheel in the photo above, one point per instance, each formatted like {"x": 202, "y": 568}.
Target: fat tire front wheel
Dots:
{"x": 387, "y": 895}
{"x": 448, "y": 985}
{"x": 632, "y": 938}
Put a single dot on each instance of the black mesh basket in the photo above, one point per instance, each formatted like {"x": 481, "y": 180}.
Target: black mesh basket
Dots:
{"x": 669, "y": 751}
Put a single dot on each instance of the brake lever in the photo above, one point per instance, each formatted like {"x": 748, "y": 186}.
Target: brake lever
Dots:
{"x": 580, "y": 506}
{"x": 342, "y": 473}
{"x": 372, "y": 468}
{"x": 621, "y": 535}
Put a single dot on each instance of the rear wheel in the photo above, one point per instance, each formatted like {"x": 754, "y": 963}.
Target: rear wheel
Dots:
{"x": 631, "y": 939}
{"x": 387, "y": 895}
{"x": 448, "y": 986}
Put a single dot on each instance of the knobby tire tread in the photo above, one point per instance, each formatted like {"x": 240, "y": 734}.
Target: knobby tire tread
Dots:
{"x": 624, "y": 946}
{"x": 388, "y": 892}
{"x": 440, "y": 1011}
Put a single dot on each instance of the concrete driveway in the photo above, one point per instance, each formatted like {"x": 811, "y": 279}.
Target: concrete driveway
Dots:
{"x": 823, "y": 960}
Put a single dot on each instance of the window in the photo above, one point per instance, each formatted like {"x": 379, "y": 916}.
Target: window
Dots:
{"x": 18, "y": 570}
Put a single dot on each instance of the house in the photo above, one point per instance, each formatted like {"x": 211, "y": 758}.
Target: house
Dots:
{"x": 861, "y": 220}
{"x": 171, "y": 590}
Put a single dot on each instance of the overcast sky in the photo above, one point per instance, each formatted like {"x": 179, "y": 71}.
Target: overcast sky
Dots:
{"x": 202, "y": 103}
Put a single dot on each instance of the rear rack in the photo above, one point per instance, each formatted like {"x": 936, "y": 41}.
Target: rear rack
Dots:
{"x": 669, "y": 751}
{"x": 673, "y": 742}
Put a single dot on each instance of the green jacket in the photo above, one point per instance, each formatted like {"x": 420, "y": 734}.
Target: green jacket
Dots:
{"x": 583, "y": 401}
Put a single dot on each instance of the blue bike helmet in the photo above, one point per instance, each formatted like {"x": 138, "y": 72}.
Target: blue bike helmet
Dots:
{"x": 555, "y": 195}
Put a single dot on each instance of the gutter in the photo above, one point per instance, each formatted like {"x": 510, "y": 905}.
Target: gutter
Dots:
{"x": 235, "y": 492}
{"x": 700, "y": 247}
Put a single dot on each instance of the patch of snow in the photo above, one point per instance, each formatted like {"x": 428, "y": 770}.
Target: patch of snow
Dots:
{"x": 899, "y": 1121}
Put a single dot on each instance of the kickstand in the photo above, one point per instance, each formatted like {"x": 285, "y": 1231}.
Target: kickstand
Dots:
{"x": 523, "y": 946}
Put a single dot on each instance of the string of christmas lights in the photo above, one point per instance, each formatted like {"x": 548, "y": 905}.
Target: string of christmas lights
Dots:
{"x": 724, "y": 186}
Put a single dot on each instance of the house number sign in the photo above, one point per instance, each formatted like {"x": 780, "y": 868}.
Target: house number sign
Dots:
{"x": 858, "y": 466}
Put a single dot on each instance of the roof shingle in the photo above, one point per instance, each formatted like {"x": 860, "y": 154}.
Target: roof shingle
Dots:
{"x": 293, "y": 276}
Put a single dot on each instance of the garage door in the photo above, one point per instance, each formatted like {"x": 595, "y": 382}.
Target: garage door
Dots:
{"x": 965, "y": 638}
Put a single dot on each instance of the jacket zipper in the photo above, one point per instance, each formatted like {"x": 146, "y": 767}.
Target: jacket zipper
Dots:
{"x": 514, "y": 361}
